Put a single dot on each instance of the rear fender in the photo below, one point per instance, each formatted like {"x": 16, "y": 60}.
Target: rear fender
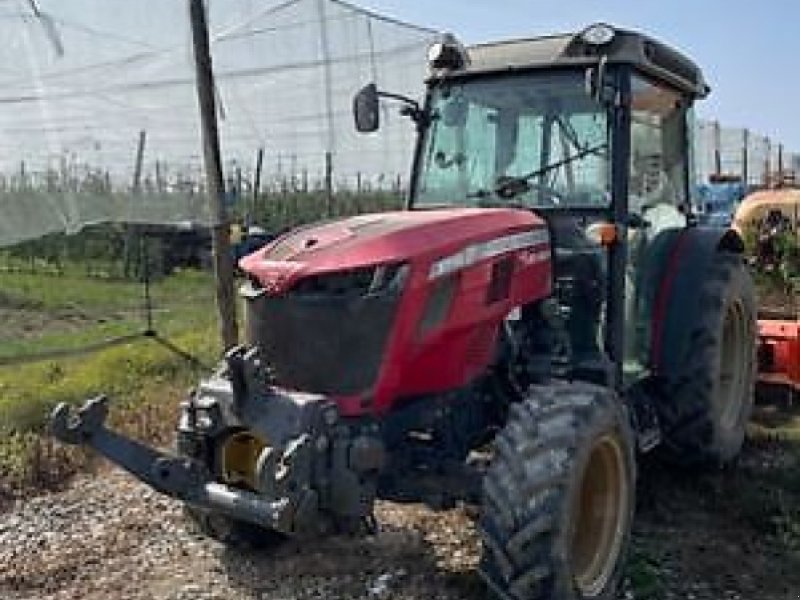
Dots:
{"x": 668, "y": 303}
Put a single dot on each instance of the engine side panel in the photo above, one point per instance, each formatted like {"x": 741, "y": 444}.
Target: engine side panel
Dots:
{"x": 464, "y": 271}
{"x": 432, "y": 355}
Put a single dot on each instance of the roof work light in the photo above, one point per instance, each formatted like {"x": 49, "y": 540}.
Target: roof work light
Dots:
{"x": 598, "y": 34}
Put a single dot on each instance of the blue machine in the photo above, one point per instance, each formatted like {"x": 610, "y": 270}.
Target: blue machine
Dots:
{"x": 717, "y": 201}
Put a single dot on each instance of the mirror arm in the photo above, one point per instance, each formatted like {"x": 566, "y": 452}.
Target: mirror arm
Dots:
{"x": 411, "y": 108}
{"x": 596, "y": 85}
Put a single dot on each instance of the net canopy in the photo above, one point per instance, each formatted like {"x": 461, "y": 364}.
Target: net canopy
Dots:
{"x": 721, "y": 150}
{"x": 86, "y": 84}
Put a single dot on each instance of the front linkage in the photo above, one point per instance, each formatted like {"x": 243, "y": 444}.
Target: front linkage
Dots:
{"x": 281, "y": 460}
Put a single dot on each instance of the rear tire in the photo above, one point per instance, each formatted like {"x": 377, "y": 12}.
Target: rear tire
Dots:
{"x": 708, "y": 400}
{"x": 559, "y": 496}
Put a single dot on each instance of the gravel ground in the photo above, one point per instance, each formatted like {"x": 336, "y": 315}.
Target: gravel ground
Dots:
{"x": 112, "y": 537}
{"x": 109, "y": 536}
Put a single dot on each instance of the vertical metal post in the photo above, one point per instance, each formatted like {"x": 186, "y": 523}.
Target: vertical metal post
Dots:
{"x": 717, "y": 149}
{"x": 328, "y": 184}
{"x": 746, "y": 158}
{"x": 767, "y": 165}
{"x": 780, "y": 164}
{"x": 220, "y": 232}
{"x": 131, "y": 230}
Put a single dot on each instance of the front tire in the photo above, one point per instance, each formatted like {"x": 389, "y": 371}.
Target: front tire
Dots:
{"x": 231, "y": 532}
{"x": 215, "y": 525}
{"x": 559, "y": 496}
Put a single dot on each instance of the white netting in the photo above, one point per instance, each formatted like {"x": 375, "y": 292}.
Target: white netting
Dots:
{"x": 764, "y": 157}
{"x": 81, "y": 78}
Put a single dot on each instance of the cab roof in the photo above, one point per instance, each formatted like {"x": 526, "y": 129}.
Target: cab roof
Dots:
{"x": 569, "y": 50}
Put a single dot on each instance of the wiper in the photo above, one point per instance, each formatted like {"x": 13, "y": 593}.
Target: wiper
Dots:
{"x": 489, "y": 199}
{"x": 510, "y": 186}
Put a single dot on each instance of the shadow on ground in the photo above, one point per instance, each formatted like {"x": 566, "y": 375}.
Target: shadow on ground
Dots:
{"x": 731, "y": 533}
{"x": 399, "y": 562}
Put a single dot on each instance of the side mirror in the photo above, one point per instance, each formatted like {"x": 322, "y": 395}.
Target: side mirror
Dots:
{"x": 366, "y": 109}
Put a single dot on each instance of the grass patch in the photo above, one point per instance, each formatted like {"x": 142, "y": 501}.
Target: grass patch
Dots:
{"x": 144, "y": 380}
{"x": 27, "y": 393}
{"x": 44, "y": 312}
{"x": 767, "y": 487}
{"x": 642, "y": 577}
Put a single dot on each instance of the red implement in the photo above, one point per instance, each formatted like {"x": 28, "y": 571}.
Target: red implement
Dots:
{"x": 779, "y": 353}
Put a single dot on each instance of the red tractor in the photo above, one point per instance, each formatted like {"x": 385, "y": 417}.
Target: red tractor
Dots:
{"x": 546, "y": 309}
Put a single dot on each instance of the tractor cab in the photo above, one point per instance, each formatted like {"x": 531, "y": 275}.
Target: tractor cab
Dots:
{"x": 590, "y": 131}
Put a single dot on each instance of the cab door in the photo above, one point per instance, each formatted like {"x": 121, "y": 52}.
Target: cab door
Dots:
{"x": 658, "y": 201}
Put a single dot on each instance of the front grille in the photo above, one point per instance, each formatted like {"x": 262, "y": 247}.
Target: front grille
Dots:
{"x": 319, "y": 338}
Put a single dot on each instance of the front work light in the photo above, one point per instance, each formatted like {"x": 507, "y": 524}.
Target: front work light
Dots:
{"x": 448, "y": 54}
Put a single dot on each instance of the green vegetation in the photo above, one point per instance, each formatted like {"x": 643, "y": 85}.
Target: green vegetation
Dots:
{"x": 769, "y": 490}
{"x": 28, "y": 392}
{"x": 642, "y": 574}
{"x": 284, "y": 209}
{"x": 41, "y": 313}
{"x": 67, "y": 293}
{"x": 777, "y": 276}
{"x": 45, "y": 312}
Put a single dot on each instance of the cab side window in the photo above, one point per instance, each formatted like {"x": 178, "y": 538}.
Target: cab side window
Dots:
{"x": 658, "y": 173}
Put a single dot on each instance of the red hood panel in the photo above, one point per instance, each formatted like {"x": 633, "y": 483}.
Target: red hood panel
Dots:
{"x": 379, "y": 238}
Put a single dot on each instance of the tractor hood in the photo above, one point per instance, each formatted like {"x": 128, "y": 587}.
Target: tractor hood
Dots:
{"x": 382, "y": 238}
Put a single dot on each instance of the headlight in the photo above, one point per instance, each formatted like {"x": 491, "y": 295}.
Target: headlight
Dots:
{"x": 598, "y": 34}
{"x": 364, "y": 281}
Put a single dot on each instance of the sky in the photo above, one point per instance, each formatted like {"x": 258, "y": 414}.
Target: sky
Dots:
{"x": 749, "y": 50}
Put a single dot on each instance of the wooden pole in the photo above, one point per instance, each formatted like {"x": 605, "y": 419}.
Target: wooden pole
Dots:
{"x": 137, "y": 167}
{"x": 159, "y": 177}
{"x": 130, "y": 229}
{"x": 257, "y": 182}
{"x": 220, "y": 232}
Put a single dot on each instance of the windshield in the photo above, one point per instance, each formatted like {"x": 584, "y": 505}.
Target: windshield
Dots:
{"x": 535, "y": 140}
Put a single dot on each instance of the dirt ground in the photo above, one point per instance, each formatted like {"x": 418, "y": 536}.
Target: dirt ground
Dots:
{"x": 727, "y": 535}
{"x": 732, "y": 534}
{"x": 778, "y": 302}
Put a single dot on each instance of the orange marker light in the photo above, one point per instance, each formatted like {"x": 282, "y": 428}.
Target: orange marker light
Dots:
{"x": 605, "y": 234}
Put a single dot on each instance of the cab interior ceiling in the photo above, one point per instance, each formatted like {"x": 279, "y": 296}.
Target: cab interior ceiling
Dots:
{"x": 560, "y": 91}
{"x": 534, "y": 101}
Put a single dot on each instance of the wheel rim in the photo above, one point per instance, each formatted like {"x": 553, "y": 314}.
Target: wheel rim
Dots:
{"x": 734, "y": 366}
{"x": 600, "y": 516}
